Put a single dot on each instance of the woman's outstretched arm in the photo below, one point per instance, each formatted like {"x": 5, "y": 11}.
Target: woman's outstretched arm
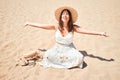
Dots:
{"x": 84, "y": 31}
{"x": 43, "y": 26}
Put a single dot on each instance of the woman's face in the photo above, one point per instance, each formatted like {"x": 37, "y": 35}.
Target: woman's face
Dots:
{"x": 65, "y": 16}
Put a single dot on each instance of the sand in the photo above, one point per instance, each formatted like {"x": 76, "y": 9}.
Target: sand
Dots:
{"x": 102, "y": 58}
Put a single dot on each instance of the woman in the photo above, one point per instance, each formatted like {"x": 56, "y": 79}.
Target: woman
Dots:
{"x": 64, "y": 53}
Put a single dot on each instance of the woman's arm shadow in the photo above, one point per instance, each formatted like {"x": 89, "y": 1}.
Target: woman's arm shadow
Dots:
{"x": 93, "y": 56}
{"x": 97, "y": 57}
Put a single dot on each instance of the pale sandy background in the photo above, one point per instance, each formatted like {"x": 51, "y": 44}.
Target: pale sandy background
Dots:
{"x": 102, "y": 54}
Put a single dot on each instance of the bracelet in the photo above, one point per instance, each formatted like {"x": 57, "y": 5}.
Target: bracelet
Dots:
{"x": 103, "y": 34}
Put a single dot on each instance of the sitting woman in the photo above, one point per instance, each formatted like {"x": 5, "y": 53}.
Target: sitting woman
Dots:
{"x": 63, "y": 54}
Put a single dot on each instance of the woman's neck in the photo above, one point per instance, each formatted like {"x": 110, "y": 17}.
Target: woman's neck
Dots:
{"x": 65, "y": 25}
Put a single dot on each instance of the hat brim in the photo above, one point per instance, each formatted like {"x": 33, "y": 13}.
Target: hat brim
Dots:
{"x": 73, "y": 13}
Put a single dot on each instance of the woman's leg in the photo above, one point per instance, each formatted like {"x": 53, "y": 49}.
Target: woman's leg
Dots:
{"x": 28, "y": 57}
{"x": 31, "y": 55}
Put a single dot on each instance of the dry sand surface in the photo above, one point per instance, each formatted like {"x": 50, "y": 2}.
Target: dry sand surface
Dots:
{"x": 102, "y": 55}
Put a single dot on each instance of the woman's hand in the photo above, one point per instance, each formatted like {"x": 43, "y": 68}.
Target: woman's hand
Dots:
{"x": 104, "y": 34}
{"x": 26, "y": 24}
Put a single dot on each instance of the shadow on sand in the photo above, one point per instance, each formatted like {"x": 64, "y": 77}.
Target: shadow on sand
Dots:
{"x": 93, "y": 56}
{"x": 97, "y": 57}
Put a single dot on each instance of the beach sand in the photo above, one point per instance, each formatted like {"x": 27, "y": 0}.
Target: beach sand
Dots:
{"x": 102, "y": 58}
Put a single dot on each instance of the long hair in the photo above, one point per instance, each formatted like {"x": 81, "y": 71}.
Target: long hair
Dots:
{"x": 70, "y": 22}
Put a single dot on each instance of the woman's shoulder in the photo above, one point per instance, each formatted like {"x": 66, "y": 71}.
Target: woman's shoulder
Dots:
{"x": 75, "y": 27}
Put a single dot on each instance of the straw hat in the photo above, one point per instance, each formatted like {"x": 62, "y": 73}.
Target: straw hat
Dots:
{"x": 73, "y": 12}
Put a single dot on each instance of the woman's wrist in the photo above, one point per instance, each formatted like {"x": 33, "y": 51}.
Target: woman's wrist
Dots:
{"x": 103, "y": 34}
{"x": 27, "y": 24}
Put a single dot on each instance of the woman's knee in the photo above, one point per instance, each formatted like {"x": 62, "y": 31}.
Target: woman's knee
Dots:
{"x": 31, "y": 54}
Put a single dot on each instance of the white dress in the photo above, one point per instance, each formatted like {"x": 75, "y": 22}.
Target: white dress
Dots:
{"x": 63, "y": 54}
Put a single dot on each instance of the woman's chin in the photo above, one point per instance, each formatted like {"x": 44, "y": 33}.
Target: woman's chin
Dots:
{"x": 65, "y": 21}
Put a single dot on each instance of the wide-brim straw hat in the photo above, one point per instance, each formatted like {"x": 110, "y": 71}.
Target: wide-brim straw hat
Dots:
{"x": 73, "y": 13}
